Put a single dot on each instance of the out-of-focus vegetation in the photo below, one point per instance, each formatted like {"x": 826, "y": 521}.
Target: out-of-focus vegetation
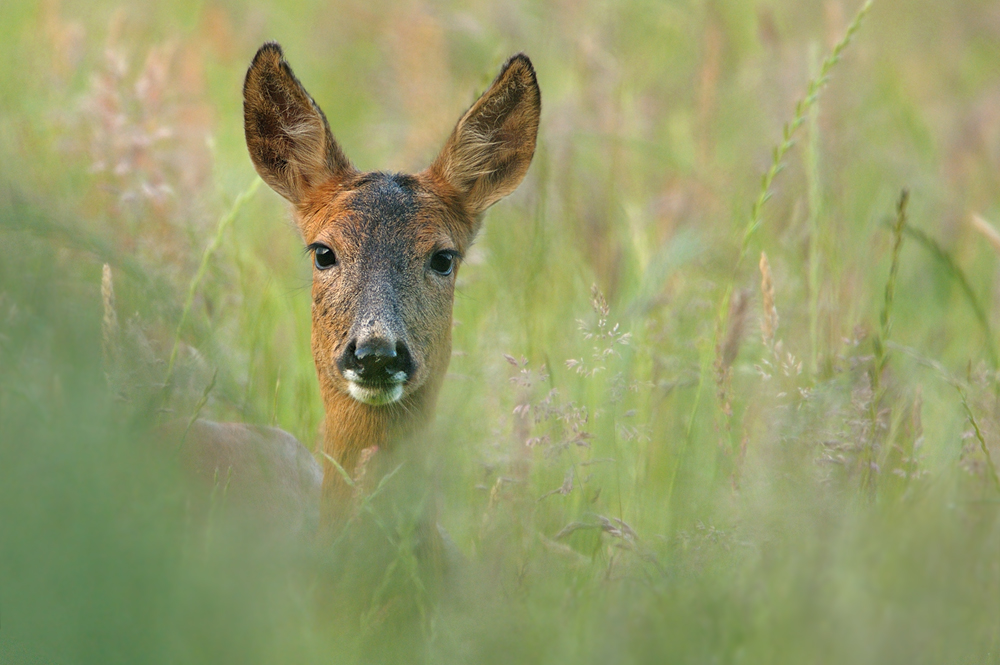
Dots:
{"x": 803, "y": 472}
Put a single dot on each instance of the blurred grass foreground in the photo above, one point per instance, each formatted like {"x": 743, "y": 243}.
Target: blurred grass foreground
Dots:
{"x": 769, "y": 434}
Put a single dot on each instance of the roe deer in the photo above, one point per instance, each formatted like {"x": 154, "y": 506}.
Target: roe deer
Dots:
{"x": 385, "y": 248}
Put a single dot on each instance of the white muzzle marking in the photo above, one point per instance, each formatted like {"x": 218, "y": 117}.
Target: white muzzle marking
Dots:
{"x": 375, "y": 396}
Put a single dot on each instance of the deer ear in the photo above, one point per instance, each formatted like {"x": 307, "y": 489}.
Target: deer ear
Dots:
{"x": 491, "y": 147}
{"x": 287, "y": 134}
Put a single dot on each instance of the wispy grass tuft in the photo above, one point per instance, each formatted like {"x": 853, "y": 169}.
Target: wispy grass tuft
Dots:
{"x": 224, "y": 223}
{"x": 962, "y": 387}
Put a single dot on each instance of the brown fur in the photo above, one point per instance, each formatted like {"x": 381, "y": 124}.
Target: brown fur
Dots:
{"x": 260, "y": 474}
{"x": 384, "y": 229}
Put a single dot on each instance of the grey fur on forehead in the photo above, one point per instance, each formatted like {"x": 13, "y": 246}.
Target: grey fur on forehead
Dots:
{"x": 384, "y": 206}
{"x": 385, "y": 195}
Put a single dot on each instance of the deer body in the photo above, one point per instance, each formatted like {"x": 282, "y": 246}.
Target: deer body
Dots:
{"x": 261, "y": 475}
{"x": 386, "y": 248}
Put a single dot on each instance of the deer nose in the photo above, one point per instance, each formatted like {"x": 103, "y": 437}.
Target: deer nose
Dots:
{"x": 377, "y": 360}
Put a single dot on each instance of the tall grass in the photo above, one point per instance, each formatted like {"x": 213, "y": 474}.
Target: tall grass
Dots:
{"x": 835, "y": 501}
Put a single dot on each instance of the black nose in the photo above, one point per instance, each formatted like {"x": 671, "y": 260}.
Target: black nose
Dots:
{"x": 377, "y": 360}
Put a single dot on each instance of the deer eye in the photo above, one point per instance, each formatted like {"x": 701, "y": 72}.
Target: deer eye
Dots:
{"x": 443, "y": 262}
{"x": 323, "y": 257}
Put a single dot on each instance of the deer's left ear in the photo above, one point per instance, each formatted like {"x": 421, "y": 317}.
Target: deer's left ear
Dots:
{"x": 491, "y": 147}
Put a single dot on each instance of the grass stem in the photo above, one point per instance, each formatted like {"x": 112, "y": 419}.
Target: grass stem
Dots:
{"x": 957, "y": 274}
{"x": 990, "y": 467}
{"x": 802, "y": 109}
{"x": 881, "y": 353}
{"x": 224, "y": 223}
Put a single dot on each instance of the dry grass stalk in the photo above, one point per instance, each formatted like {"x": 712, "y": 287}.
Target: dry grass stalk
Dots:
{"x": 110, "y": 332}
{"x": 725, "y": 353}
{"x": 734, "y": 335}
{"x": 987, "y": 230}
{"x": 768, "y": 324}
{"x": 109, "y": 325}
{"x": 361, "y": 471}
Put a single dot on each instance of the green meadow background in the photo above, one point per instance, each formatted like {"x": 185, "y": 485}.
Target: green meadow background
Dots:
{"x": 657, "y": 473}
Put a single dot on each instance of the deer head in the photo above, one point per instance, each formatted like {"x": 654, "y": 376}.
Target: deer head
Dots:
{"x": 386, "y": 248}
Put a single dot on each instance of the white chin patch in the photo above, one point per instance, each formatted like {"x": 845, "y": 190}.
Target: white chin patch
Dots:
{"x": 375, "y": 396}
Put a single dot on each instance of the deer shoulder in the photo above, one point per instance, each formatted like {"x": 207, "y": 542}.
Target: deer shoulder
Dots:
{"x": 261, "y": 475}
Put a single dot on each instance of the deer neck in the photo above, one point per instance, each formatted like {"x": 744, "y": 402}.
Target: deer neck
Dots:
{"x": 352, "y": 426}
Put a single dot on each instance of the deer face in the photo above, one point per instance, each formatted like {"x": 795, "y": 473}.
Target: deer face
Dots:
{"x": 385, "y": 247}
{"x": 385, "y": 254}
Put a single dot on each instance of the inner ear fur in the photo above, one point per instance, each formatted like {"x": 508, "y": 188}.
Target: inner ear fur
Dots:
{"x": 287, "y": 134}
{"x": 490, "y": 149}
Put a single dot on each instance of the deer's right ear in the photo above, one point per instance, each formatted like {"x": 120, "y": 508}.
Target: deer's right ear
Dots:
{"x": 287, "y": 134}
